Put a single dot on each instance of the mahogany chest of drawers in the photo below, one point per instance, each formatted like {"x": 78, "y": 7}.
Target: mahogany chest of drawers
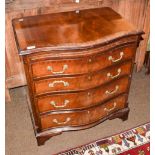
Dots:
{"x": 78, "y": 67}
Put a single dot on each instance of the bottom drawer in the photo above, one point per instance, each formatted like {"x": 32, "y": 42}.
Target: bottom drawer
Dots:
{"x": 83, "y": 117}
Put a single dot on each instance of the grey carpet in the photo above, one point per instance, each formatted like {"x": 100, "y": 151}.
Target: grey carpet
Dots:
{"x": 20, "y": 139}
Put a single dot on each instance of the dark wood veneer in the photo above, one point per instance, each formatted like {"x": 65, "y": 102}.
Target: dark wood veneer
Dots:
{"x": 89, "y": 63}
{"x": 86, "y": 116}
{"x": 76, "y": 65}
{"x": 53, "y": 29}
{"x": 83, "y": 82}
{"x": 87, "y": 98}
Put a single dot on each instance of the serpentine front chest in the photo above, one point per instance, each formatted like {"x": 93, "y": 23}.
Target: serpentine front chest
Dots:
{"x": 78, "y": 66}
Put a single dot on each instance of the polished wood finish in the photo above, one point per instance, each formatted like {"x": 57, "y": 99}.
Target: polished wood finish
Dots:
{"x": 76, "y": 82}
{"x": 43, "y": 136}
{"x": 136, "y": 12}
{"x": 89, "y": 63}
{"x": 53, "y": 29}
{"x": 86, "y": 81}
{"x": 87, "y": 98}
{"x": 82, "y": 117}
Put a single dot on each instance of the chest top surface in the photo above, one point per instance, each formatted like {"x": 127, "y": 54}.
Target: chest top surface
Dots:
{"x": 70, "y": 30}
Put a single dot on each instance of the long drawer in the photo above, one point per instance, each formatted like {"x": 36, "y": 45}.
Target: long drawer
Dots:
{"x": 86, "y": 116}
{"x": 51, "y": 67}
{"x": 82, "y": 82}
{"x": 71, "y": 101}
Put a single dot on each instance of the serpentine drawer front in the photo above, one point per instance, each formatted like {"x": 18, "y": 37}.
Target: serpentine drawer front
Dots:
{"x": 86, "y": 116}
{"x": 78, "y": 68}
{"x": 82, "y": 82}
{"x": 87, "y": 98}
{"x": 91, "y": 63}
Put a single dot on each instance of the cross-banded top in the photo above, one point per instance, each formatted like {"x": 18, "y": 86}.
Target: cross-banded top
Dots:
{"x": 70, "y": 30}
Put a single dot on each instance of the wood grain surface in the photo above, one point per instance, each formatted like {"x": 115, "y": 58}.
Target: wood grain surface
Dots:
{"x": 83, "y": 117}
{"x": 72, "y": 101}
{"x": 105, "y": 72}
{"x": 52, "y": 67}
{"x": 134, "y": 11}
{"x": 71, "y": 30}
{"x": 86, "y": 81}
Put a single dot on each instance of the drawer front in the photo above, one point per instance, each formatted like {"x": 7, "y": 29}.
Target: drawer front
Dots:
{"x": 89, "y": 98}
{"x": 86, "y": 116}
{"x": 82, "y": 82}
{"x": 43, "y": 68}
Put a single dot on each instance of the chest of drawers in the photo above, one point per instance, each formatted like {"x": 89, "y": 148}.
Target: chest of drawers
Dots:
{"x": 78, "y": 67}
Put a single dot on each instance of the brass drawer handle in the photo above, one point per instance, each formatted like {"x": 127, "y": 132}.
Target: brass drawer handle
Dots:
{"x": 112, "y": 92}
{"x": 66, "y": 84}
{"x": 109, "y": 110}
{"x": 60, "y": 123}
{"x": 114, "y": 76}
{"x": 50, "y": 68}
{"x": 116, "y": 60}
{"x": 60, "y": 106}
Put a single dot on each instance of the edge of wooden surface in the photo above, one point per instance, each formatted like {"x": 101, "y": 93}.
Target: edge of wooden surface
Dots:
{"x": 87, "y": 45}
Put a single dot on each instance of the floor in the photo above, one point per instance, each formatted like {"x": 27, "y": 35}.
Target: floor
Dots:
{"x": 20, "y": 139}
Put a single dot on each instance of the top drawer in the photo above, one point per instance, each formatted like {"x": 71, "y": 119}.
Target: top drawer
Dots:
{"x": 53, "y": 67}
